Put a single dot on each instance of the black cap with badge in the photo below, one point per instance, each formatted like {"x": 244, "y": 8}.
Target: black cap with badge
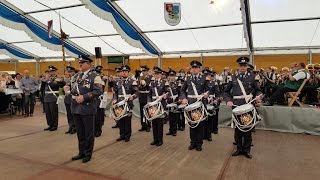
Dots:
{"x": 243, "y": 60}
{"x": 144, "y": 68}
{"x": 125, "y": 68}
{"x": 85, "y": 58}
{"x": 172, "y": 72}
{"x": 196, "y": 64}
{"x": 98, "y": 68}
{"x": 157, "y": 70}
{"x": 117, "y": 69}
{"x": 70, "y": 69}
{"x": 52, "y": 68}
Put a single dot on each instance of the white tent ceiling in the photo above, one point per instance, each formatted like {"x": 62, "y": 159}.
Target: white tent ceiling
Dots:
{"x": 196, "y": 31}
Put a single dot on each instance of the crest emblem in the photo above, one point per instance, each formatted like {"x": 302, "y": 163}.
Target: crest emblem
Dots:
{"x": 172, "y": 13}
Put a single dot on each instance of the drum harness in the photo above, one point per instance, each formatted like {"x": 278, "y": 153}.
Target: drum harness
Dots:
{"x": 247, "y": 99}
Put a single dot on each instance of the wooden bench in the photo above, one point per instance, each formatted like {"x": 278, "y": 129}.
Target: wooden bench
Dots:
{"x": 294, "y": 95}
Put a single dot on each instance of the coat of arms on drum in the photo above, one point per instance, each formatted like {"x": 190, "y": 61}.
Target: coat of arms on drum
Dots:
{"x": 172, "y": 13}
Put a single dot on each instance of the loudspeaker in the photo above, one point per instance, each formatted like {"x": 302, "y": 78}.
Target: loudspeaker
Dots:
{"x": 98, "y": 52}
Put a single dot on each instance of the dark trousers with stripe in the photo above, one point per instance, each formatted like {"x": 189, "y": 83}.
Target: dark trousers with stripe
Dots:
{"x": 85, "y": 133}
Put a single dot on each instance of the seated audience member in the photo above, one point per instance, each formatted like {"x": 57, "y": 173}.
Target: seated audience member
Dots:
{"x": 295, "y": 79}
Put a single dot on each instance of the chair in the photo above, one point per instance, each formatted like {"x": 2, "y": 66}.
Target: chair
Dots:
{"x": 294, "y": 95}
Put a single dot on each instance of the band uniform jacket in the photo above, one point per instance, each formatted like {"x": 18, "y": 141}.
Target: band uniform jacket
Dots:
{"x": 68, "y": 96}
{"x": 143, "y": 85}
{"x": 90, "y": 86}
{"x": 201, "y": 84}
{"x": 54, "y": 83}
{"x": 213, "y": 88}
{"x": 130, "y": 87}
{"x": 174, "y": 86}
{"x": 232, "y": 89}
{"x": 160, "y": 86}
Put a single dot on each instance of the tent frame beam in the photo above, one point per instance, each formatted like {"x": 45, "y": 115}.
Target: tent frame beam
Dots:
{"x": 58, "y": 8}
{"x": 38, "y": 23}
{"x": 19, "y": 49}
{"x": 136, "y": 27}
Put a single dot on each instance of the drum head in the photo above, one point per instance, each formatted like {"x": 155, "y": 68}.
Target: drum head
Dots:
{"x": 193, "y": 106}
{"x": 243, "y": 109}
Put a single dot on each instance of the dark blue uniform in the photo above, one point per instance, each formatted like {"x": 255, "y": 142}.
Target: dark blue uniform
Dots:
{"x": 50, "y": 102}
{"x": 144, "y": 90}
{"x": 67, "y": 102}
{"x": 232, "y": 90}
{"x": 89, "y": 85}
{"x": 211, "y": 125}
{"x": 130, "y": 86}
{"x": 187, "y": 92}
{"x": 158, "y": 85}
{"x": 174, "y": 88}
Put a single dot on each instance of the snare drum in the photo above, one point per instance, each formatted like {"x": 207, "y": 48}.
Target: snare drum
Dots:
{"x": 153, "y": 110}
{"x": 120, "y": 110}
{"x": 244, "y": 117}
{"x": 195, "y": 113}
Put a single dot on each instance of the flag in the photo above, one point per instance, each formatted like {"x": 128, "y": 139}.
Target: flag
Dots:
{"x": 50, "y": 28}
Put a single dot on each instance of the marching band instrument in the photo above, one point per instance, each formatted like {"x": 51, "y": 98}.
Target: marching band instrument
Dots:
{"x": 121, "y": 109}
{"x": 195, "y": 112}
{"x": 245, "y": 117}
{"x": 154, "y": 109}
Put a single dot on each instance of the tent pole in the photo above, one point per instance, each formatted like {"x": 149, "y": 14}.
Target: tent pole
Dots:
{"x": 37, "y": 68}
{"x": 159, "y": 64}
{"x": 310, "y": 57}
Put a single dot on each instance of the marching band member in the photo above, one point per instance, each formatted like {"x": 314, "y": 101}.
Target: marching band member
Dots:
{"x": 237, "y": 93}
{"x": 181, "y": 119}
{"x": 198, "y": 82}
{"x": 99, "y": 118}
{"x": 53, "y": 83}
{"x": 173, "y": 89}
{"x": 143, "y": 86}
{"x": 87, "y": 87}
{"x": 112, "y": 84}
{"x": 157, "y": 89}
{"x": 211, "y": 125}
{"x": 68, "y": 98}
{"x": 127, "y": 89}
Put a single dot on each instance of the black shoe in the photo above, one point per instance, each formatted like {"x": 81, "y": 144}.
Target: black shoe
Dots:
{"x": 120, "y": 139}
{"x": 248, "y": 155}
{"x": 77, "y": 157}
{"x": 182, "y": 129}
{"x": 31, "y": 115}
{"x": 209, "y": 139}
{"x": 148, "y": 130}
{"x": 159, "y": 143}
{"x": 53, "y": 129}
{"x": 73, "y": 132}
{"x": 126, "y": 140}
{"x": 169, "y": 133}
{"x": 236, "y": 153}
{"x": 153, "y": 143}
{"x": 174, "y": 134}
{"x": 191, "y": 147}
{"x": 68, "y": 132}
{"x": 234, "y": 143}
{"x": 199, "y": 148}
{"x": 86, "y": 159}
{"x": 142, "y": 129}
{"x": 215, "y": 132}
{"x": 47, "y": 129}
{"x": 268, "y": 103}
{"x": 115, "y": 126}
